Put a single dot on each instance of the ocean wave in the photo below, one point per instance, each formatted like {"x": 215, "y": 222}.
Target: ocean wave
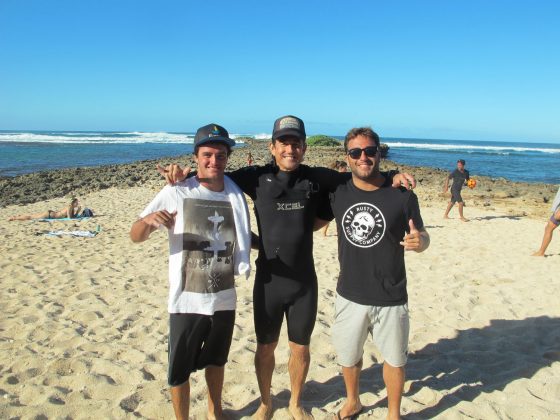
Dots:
{"x": 135, "y": 137}
{"x": 469, "y": 147}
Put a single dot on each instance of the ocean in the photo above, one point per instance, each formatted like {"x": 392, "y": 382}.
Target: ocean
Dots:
{"x": 33, "y": 151}
{"x": 527, "y": 162}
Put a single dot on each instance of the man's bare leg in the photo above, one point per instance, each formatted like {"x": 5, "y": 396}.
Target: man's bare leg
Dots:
{"x": 548, "y": 229}
{"x": 264, "y": 367}
{"x": 298, "y": 366}
{"x": 180, "y": 397}
{"x": 394, "y": 381}
{"x": 351, "y": 377}
{"x": 461, "y": 205}
{"x": 215, "y": 382}
{"x": 447, "y": 210}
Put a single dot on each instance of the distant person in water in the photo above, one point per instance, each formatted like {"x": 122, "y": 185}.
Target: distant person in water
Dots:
{"x": 552, "y": 224}
{"x": 460, "y": 176}
{"x": 72, "y": 211}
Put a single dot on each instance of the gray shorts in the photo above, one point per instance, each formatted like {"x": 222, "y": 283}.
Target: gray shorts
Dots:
{"x": 388, "y": 326}
{"x": 456, "y": 196}
{"x": 554, "y": 220}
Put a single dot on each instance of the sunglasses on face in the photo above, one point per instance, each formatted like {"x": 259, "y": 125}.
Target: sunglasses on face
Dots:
{"x": 356, "y": 153}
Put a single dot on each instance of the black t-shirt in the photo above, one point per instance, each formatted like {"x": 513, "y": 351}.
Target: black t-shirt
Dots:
{"x": 459, "y": 178}
{"x": 286, "y": 204}
{"x": 371, "y": 225}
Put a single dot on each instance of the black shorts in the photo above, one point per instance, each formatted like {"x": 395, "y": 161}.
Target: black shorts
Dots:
{"x": 278, "y": 296}
{"x": 456, "y": 196}
{"x": 197, "y": 341}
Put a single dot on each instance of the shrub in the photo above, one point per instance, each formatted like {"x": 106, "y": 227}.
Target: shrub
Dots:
{"x": 322, "y": 140}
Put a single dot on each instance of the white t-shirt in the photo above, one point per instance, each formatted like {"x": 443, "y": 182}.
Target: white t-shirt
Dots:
{"x": 556, "y": 202}
{"x": 201, "y": 248}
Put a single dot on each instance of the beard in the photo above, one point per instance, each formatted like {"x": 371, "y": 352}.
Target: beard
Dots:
{"x": 365, "y": 172}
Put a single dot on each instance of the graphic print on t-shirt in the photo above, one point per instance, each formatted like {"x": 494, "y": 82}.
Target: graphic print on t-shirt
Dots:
{"x": 208, "y": 245}
{"x": 363, "y": 225}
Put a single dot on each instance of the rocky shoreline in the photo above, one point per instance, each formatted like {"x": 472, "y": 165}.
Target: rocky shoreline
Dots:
{"x": 528, "y": 199}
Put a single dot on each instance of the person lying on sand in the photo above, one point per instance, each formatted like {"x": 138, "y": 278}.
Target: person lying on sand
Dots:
{"x": 72, "y": 211}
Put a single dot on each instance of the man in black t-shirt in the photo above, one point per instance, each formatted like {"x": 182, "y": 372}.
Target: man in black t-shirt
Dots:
{"x": 460, "y": 176}
{"x": 372, "y": 219}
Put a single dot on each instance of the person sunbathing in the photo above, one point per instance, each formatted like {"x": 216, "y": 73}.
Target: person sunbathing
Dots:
{"x": 72, "y": 211}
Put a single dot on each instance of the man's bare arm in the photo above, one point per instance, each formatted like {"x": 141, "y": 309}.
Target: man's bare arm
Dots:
{"x": 143, "y": 228}
{"x": 319, "y": 223}
{"x": 403, "y": 179}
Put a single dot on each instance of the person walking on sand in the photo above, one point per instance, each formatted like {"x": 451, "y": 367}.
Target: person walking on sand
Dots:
{"x": 372, "y": 298}
{"x": 71, "y": 212}
{"x": 460, "y": 177}
{"x": 209, "y": 242}
{"x": 551, "y": 225}
{"x": 289, "y": 198}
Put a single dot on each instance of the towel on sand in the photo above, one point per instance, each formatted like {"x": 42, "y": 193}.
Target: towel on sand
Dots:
{"x": 63, "y": 219}
{"x": 80, "y": 233}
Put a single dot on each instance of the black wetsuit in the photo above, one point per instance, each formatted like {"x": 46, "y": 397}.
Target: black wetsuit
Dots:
{"x": 286, "y": 205}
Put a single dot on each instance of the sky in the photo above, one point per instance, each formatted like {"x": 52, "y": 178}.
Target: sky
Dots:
{"x": 448, "y": 69}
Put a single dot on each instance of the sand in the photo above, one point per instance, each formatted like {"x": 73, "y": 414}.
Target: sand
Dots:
{"x": 83, "y": 332}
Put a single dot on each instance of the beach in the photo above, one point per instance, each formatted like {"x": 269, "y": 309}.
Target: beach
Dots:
{"x": 84, "y": 321}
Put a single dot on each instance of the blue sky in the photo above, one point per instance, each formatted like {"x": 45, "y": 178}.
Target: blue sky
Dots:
{"x": 476, "y": 69}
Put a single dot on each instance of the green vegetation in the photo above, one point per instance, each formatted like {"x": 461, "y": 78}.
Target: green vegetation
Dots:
{"x": 326, "y": 141}
{"x": 322, "y": 140}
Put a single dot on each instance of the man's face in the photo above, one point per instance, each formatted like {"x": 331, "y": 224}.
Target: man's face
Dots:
{"x": 212, "y": 159}
{"x": 460, "y": 166}
{"x": 288, "y": 152}
{"x": 364, "y": 167}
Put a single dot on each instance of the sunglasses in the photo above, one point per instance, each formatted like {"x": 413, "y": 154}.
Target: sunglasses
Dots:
{"x": 356, "y": 153}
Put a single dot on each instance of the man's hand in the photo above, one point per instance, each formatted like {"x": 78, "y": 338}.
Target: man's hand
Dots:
{"x": 404, "y": 179}
{"x": 173, "y": 173}
{"x": 158, "y": 218}
{"x": 415, "y": 240}
{"x": 142, "y": 228}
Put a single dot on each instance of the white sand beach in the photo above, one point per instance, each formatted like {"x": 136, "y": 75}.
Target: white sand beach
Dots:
{"x": 83, "y": 330}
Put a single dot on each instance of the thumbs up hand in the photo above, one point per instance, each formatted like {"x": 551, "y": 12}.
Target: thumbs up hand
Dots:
{"x": 412, "y": 241}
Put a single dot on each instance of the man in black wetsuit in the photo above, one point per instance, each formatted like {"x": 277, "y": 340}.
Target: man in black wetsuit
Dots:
{"x": 287, "y": 198}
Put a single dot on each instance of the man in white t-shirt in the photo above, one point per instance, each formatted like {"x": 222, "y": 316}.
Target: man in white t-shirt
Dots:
{"x": 209, "y": 242}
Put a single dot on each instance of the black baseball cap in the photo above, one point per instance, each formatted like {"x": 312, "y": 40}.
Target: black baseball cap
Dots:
{"x": 212, "y": 133}
{"x": 288, "y": 126}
